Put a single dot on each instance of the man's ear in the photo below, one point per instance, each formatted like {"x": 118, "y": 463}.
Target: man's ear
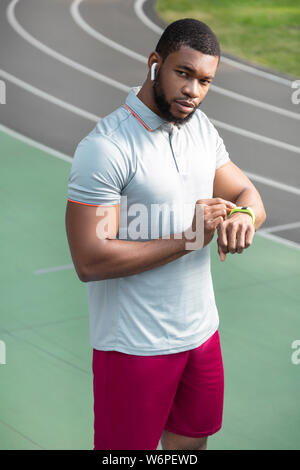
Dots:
{"x": 154, "y": 60}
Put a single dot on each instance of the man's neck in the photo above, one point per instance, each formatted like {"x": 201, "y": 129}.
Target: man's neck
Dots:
{"x": 146, "y": 96}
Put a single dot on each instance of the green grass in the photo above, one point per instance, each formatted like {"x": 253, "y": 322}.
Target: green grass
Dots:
{"x": 266, "y": 32}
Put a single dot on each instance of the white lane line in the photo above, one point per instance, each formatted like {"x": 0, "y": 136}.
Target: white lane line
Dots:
{"x": 94, "y": 118}
{"x": 252, "y": 101}
{"x": 34, "y": 143}
{"x": 56, "y": 55}
{"x": 138, "y": 8}
{"x": 75, "y": 13}
{"x": 278, "y": 228}
{"x": 42, "y": 94}
{"x": 282, "y": 241}
{"x": 265, "y": 233}
{"x": 139, "y": 11}
{"x": 253, "y": 135}
{"x": 47, "y": 50}
{"x": 254, "y": 71}
{"x": 55, "y": 268}
{"x": 260, "y": 233}
{"x": 67, "y": 158}
{"x": 275, "y": 184}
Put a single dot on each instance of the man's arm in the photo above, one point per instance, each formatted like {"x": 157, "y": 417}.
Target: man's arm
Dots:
{"x": 236, "y": 233}
{"x": 98, "y": 255}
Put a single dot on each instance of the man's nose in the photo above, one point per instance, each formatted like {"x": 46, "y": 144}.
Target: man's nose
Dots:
{"x": 192, "y": 89}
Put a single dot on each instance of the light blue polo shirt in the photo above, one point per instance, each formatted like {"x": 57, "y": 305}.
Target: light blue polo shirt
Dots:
{"x": 156, "y": 172}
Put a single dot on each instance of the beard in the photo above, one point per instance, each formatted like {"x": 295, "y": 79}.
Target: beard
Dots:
{"x": 164, "y": 106}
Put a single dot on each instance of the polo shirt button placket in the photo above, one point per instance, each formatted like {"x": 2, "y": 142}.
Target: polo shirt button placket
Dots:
{"x": 180, "y": 162}
{"x": 170, "y": 131}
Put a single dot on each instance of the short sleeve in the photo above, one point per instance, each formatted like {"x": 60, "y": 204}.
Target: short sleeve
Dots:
{"x": 212, "y": 137}
{"x": 222, "y": 155}
{"x": 99, "y": 172}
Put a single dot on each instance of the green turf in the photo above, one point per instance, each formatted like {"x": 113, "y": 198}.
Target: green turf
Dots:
{"x": 46, "y": 386}
{"x": 259, "y": 319}
{"x": 266, "y": 32}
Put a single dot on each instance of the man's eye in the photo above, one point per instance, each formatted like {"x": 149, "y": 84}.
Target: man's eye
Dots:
{"x": 181, "y": 73}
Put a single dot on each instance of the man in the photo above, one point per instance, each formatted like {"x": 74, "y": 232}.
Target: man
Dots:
{"x": 157, "y": 362}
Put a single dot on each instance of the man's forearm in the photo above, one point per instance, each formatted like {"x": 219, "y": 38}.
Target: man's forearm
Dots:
{"x": 251, "y": 198}
{"x": 125, "y": 258}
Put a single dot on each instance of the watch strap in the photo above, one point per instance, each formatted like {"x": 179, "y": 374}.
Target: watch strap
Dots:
{"x": 244, "y": 209}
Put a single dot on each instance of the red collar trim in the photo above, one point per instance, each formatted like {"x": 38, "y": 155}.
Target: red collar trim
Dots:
{"x": 148, "y": 128}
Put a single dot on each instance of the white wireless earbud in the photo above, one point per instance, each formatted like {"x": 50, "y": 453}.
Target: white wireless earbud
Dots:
{"x": 153, "y": 71}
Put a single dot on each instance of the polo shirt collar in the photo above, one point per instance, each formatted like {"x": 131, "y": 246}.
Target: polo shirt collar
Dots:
{"x": 150, "y": 120}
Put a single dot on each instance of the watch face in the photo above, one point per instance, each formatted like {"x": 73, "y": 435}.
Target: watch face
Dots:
{"x": 244, "y": 208}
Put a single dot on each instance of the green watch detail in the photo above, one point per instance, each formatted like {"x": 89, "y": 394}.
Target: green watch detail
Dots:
{"x": 246, "y": 210}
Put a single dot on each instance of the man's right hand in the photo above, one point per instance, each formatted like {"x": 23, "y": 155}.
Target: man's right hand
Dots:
{"x": 212, "y": 212}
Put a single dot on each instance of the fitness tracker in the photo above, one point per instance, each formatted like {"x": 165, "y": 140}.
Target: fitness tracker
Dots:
{"x": 244, "y": 209}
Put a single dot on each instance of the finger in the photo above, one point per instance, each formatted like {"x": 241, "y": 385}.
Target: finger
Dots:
{"x": 232, "y": 233}
{"x": 212, "y": 224}
{"x": 240, "y": 240}
{"x": 249, "y": 236}
{"x": 217, "y": 207}
{"x": 218, "y": 222}
{"x": 222, "y": 238}
{"x": 222, "y": 254}
{"x": 217, "y": 200}
{"x": 212, "y": 212}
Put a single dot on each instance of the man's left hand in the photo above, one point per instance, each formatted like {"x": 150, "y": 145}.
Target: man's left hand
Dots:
{"x": 235, "y": 234}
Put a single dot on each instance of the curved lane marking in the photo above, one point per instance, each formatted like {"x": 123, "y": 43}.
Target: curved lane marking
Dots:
{"x": 56, "y": 55}
{"x": 78, "y": 19}
{"x": 138, "y": 8}
{"x": 92, "y": 117}
{"x": 52, "y": 99}
{"x": 65, "y": 60}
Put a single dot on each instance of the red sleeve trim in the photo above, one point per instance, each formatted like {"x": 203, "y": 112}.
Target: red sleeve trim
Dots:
{"x": 94, "y": 205}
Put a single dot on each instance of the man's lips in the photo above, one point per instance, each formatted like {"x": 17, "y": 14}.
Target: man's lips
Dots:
{"x": 184, "y": 106}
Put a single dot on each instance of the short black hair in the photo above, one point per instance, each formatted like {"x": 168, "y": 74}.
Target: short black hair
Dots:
{"x": 190, "y": 33}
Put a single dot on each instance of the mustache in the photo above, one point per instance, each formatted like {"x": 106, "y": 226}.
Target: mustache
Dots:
{"x": 164, "y": 106}
{"x": 185, "y": 102}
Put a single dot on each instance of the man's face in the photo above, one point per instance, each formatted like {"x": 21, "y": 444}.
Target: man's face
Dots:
{"x": 182, "y": 82}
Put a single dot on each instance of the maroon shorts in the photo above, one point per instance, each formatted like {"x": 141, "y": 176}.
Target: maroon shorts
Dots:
{"x": 137, "y": 397}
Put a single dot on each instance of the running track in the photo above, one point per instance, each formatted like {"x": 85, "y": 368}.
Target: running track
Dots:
{"x": 65, "y": 64}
